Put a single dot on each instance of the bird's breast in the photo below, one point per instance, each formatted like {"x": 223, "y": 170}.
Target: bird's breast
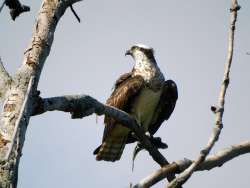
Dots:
{"x": 144, "y": 107}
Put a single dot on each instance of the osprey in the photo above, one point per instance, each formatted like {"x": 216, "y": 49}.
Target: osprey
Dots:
{"x": 145, "y": 95}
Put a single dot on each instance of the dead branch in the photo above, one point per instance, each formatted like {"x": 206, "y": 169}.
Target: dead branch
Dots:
{"x": 75, "y": 14}
{"x": 16, "y": 8}
{"x": 83, "y": 105}
{"x": 5, "y": 80}
{"x": 34, "y": 58}
{"x": 212, "y": 161}
{"x": 22, "y": 114}
{"x": 1, "y": 7}
{"x": 183, "y": 177}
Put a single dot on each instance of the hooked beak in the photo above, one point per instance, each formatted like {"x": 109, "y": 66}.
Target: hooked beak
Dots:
{"x": 128, "y": 52}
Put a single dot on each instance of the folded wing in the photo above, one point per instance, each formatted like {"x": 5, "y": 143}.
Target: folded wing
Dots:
{"x": 115, "y": 135}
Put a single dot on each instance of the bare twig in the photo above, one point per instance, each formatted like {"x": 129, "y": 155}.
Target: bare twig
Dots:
{"x": 16, "y": 8}
{"x": 83, "y": 105}
{"x": 1, "y": 7}
{"x": 4, "y": 75}
{"x": 75, "y": 14}
{"x": 183, "y": 177}
{"x": 5, "y": 80}
{"x": 34, "y": 58}
{"x": 212, "y": 161}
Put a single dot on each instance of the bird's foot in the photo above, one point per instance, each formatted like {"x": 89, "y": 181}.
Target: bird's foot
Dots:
{"x": 155, "y": 141}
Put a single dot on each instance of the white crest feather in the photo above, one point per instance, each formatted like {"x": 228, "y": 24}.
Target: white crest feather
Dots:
{"x": 142, "y": 46}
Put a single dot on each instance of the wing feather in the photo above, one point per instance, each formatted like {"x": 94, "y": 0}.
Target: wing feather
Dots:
{"x": 126, "y": 89}
{"x": 166, "y": 105}
{"x": 122, "y": 78}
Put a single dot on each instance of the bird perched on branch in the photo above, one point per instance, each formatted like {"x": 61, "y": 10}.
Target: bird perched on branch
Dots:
{"x": 145, "y": 95}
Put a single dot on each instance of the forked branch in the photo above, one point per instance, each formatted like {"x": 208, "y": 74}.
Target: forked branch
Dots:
{"x": 16, "y": 8}
{"x": 15, "y": 114}
{"x": 5, "y": 80}
{"x": 219, "y": 110}
{"x": 212, "y": 161}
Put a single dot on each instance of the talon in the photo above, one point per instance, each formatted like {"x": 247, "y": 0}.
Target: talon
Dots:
{"x": 156, "y": 141}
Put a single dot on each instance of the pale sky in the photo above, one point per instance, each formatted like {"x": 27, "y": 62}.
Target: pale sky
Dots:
{"x": 190, "y": 41}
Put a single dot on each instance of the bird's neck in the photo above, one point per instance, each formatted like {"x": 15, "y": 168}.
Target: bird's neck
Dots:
{"x": 148, "y": 69}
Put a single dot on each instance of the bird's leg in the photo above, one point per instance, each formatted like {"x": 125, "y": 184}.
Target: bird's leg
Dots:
{"x": 156, "y": 142}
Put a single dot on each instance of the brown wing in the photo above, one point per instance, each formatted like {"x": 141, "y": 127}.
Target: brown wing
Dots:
{"x": 166, "y": 105}
{"x": 122, "y": 78}
{"x": 126, "y": 89}
{"x": 115, "y": 136}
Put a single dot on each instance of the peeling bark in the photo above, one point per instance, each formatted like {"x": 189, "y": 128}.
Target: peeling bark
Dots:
{"x": 16, "y": 109}
{"x": 5, "y": 81}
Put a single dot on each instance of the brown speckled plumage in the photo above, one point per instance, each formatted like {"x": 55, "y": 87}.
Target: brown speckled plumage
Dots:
{"x": 142, "y": 93}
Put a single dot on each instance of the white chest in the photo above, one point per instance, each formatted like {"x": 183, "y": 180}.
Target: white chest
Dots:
{"x": 145, "y": 105}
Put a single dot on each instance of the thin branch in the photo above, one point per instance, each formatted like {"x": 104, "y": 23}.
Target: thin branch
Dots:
{"x": 1, "y": 7}
{"x": 75, "y": 14}
{"x": 4, "y": 75}
{"x": 34, "y": 58}
{"x": 212, "y": 161}
{"x": 83, "y": 105}
{"x": 183, "y": 177}
{"x": 16, "y": 8}
{"x": 5, "y": 79}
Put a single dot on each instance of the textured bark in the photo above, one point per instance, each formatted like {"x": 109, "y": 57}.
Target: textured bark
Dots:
{"x": 219, "y": 110}
{"x": 212, "y": 161}
{"x": 19, "y": 98}
{"x": 5, "y": 81}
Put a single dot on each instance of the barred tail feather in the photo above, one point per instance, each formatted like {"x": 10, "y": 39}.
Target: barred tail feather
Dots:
{"x": 111, "y": 149}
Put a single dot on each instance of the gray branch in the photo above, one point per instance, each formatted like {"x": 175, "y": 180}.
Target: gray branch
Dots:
{"x": 183, "y": 177}
{"x": 212, "y": 161}
{"x": 16, "y": 112}
{"x": 1, "y": 7}
{"x": 5, "y": 80}
{"x": 22, "y": 114}
{"x": 83, "y": 105}
{"x": 16, "y": 8}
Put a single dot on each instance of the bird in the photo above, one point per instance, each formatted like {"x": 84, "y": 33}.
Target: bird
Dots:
{"x": 145, "y": 95}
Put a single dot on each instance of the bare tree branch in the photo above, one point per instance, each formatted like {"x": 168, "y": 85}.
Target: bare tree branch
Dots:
{"x": 34, "y": 58}
{"x": 1, "y": 7}
{"x": 5, "y": 80}
{"x": 183, "y": 177}
{"x": 22, "y": 115}
{"x": 83, "y": 105}
{"x": 16, "y": 8}
{"x": 75, "y": 14}
{"x": 212, "y": 161}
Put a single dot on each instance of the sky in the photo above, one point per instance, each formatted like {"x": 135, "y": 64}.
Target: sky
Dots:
{"x": 190, "y": 43}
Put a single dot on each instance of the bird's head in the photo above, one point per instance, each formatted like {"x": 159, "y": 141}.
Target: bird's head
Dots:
{"x": 145, "y": 64}
{"x": 141, "y": 52}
